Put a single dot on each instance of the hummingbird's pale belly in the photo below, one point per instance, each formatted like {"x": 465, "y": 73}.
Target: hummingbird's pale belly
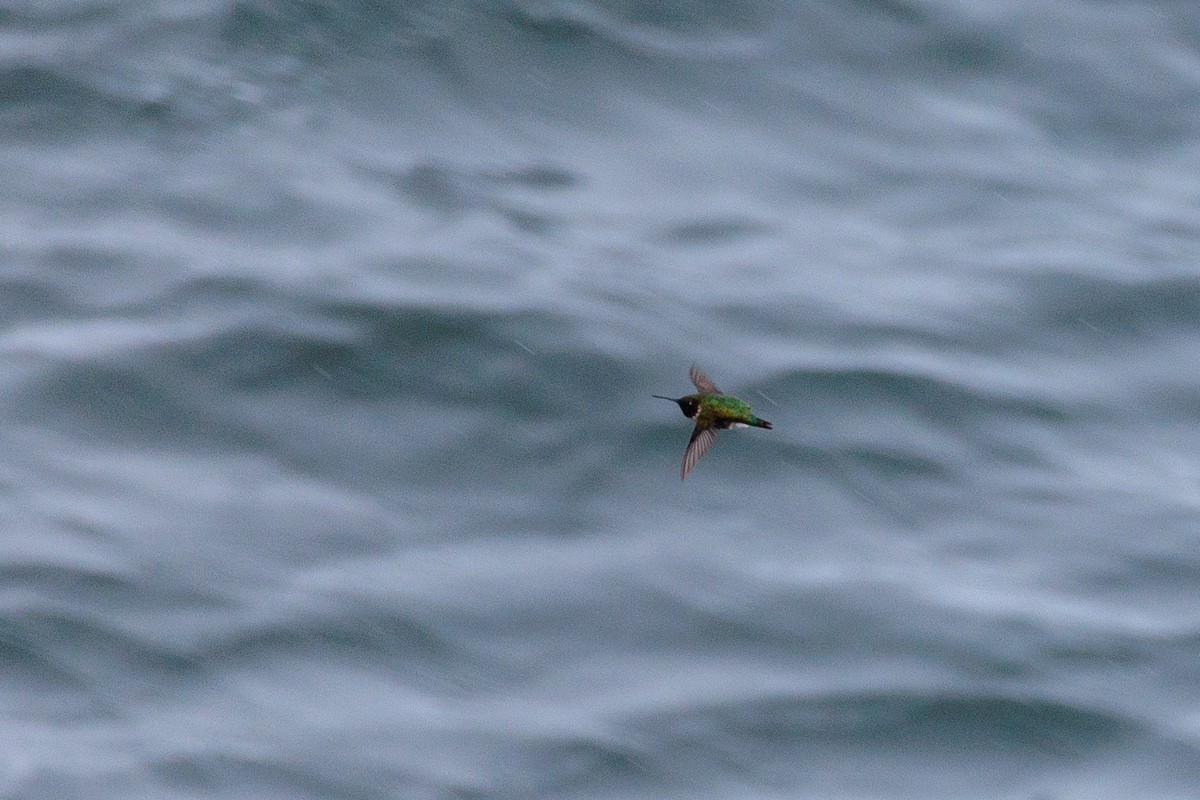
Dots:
{"x": 738, "y": 425}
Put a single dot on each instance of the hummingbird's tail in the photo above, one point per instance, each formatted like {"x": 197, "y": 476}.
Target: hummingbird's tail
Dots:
{"x": 761, "y": 423}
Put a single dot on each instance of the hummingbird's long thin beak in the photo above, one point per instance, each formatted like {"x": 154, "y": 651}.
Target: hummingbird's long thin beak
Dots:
{"x": 660, "y": 397}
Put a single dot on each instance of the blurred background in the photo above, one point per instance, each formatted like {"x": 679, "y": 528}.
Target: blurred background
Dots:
{"x": 329, "y": 466}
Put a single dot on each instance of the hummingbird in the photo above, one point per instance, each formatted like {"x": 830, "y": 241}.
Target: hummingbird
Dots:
{"x": 712, "y": 412}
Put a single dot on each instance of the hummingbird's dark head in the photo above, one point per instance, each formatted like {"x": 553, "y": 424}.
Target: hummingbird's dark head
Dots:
{"x": 689, "y": 405}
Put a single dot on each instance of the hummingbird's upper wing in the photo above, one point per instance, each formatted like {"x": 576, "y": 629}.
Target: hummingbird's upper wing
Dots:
{"x": 702, "y": 439}
{"x": 702, "y": 381}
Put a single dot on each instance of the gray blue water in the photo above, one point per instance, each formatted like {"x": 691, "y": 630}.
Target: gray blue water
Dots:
{"x": 329, "y": 466}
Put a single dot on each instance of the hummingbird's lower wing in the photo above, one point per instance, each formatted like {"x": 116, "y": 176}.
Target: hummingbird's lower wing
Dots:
{"x": 702, "y": 439}
{"x": 702, "y": 381}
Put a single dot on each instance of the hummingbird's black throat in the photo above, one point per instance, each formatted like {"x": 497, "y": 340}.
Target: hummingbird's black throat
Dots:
{"x": 690, "y": 406}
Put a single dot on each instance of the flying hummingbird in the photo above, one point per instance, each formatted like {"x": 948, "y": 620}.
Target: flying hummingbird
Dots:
{"x": 713, "y": 412}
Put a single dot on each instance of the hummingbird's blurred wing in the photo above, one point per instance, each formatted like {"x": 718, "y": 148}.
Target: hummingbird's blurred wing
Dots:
{"x": 702, "y": 381}
{"x": 702, "y": 439}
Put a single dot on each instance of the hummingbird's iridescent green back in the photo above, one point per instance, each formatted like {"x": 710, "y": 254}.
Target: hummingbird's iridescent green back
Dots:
{"x": 724, "y": 407}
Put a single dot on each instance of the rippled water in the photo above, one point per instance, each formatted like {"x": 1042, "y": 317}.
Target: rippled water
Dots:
{"x": 329, "y": 465}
